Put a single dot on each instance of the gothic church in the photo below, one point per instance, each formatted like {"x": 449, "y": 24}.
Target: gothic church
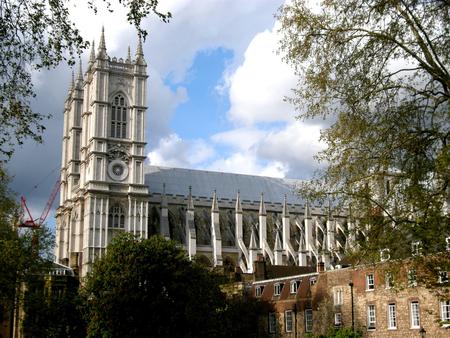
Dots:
{"x": 222, "y": 219}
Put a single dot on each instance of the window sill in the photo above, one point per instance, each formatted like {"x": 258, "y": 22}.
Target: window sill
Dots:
{"x": 370, "y": 290}
{"x": 414, "y": 328}
{"x": 392, "y": 328}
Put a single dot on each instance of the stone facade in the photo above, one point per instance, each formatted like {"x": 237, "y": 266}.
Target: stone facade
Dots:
{"x": 106, "y": 189}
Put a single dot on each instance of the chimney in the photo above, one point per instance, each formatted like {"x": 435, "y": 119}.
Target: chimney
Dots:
{"x": 321, "y": 267}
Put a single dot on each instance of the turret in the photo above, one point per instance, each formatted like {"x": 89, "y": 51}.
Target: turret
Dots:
{"x": 216, "y": 237}
{"x": 191, "y": 236}
{"x": 164, "y": 219}
{"x": 278, "y": 250}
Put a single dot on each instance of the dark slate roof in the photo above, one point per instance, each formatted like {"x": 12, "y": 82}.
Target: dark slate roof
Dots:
{"x": 178, "y": 180}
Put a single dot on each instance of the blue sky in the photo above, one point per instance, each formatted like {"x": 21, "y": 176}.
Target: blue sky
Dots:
{"x": 215, "y": 95}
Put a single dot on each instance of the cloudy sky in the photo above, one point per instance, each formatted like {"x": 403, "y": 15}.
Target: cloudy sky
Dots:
{"x": 215, "y": 95}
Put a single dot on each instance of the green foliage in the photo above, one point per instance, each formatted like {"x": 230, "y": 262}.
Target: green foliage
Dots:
{"x": 379, "y": 71}
{"x": 38, "y": 35}
{"x": 345, "y": 332}
{"x": 23, "y": 253}
{"x": 148, "y": 288}
{"x": 241, "y": 318}
{"x": 52, "y": 308}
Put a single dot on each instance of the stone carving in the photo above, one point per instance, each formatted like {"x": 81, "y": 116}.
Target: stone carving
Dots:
{"x": 118, "y": 151}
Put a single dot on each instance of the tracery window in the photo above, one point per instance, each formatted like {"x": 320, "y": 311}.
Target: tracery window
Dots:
{"x": 119, "y": 116}
{"x": 116, "y": 217}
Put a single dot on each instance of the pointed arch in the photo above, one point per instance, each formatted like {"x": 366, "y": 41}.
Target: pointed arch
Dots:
{"x": 119, "y": 116}
{"x": 116, "y": 216}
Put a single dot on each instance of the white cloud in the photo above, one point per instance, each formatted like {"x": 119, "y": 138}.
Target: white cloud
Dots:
{"x": 172, "y": 151}
{"x": 258, "y": 86}
{"x": 239, "y": 138}
{"x": 248, "y": 163}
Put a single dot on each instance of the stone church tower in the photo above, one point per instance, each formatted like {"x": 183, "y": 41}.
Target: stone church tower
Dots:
{"x": 102, "y": 171}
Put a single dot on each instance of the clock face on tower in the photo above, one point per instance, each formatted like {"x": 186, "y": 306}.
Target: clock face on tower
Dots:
{"x": 118, "y": 170}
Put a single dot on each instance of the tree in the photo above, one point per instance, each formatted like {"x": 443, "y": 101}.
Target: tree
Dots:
{"x": 378, "y": 70}
{"x": 23, "y": 254}
{"x": 37, "y": 35}
{"x": 148, "y": 288}
{"x": 52, "y": 307}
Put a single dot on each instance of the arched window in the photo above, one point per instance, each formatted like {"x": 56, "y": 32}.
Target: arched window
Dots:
{"x": 119, "y": 117}
{"x": 116, "y": 217}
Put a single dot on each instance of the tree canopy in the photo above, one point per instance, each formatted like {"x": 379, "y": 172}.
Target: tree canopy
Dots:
{"x": 38, "y": 35}
{"x": 378, "y": 70}
{"x": 148, "y": 288}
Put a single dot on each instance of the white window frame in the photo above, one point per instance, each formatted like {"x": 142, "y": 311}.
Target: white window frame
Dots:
{"x": 272, "y": 322}
{"x": 259, "y": 290}
{"x": 288, "y": 320}
{"x": 277, "y": 287}
{"x": 338, "y": 296}
{"x": 371, "y": 317}
{"x": 370, "y": 282}
{"x": 338, "y": 319}
{"x": 414, "y": 311}
{"x": 445, "y": 310}
{"x": 294, "y": 286}
{"x": 312, "y": 281}
{"x": 447, "y": 243}
{"x": 308, "y": 320}
{"x": 392, "y": 316}
{"x": 412, "y": 278}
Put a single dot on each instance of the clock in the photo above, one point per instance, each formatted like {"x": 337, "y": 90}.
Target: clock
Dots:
{"x": 117, "y": 170}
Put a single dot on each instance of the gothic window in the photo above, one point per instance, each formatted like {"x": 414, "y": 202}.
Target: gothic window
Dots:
{"x": 116, "y": 217}
{"x": 119, "y": 115}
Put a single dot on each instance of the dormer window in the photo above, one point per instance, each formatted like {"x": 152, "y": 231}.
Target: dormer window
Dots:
{"x": 259, "y": 290}
{"x": 294, "y": 286}
{"x": 119, "y": 117}
{"x": 277, "y": 289}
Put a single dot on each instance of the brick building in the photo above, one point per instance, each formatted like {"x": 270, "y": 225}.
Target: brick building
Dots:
{"x": 385, "y": 303}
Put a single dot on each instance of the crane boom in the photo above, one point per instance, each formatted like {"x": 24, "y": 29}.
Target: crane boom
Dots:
{"x": 36, "y": 223}
{"x": 49, "y": 204}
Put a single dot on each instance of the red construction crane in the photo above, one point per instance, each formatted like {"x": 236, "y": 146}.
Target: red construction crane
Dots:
{"x": 36, "y": 223}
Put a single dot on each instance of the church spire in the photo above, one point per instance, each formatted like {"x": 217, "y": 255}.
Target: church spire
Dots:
{"x": 262, "y": 207}
{"x": 129, "y": 55}
{"x": 72, "y": 82}
{"x": 238, "y": 203}
{"x": 164, "y": 198}
{"x": 285, "y": 212}
{"x": 215, "y": 205}
{"x": 140, "y": 53}
{"x": 101, "y": 53}
{"x": 190, "y": 203}
{"x": 92, "y": 54}
{"x": 79, "y": 83}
